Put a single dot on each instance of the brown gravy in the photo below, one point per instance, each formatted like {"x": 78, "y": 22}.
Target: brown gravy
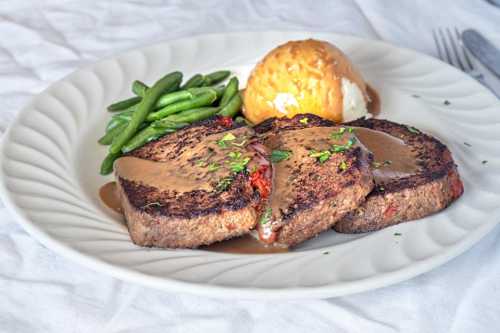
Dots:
{"x": 392, "y": 157}
{"x": 374, "y": 105}
{"x": 244, "y": 245}
{"x": 110, "y": 198}
{"x": 198, "y": 167}
{"x": 300, "y": 142}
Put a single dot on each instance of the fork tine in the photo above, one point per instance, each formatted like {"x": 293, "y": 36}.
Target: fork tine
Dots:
{"x": 454, "y": 49}
{"x": 438, "y": 45}
{"x": 449, "y": 59}
{"x": 464, "y": 50}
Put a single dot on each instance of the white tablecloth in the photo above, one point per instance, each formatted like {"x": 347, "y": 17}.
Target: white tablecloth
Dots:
{"x": 41, "y": 41}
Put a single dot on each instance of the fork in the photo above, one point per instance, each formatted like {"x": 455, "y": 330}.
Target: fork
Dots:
{"x": 451, "y": 50}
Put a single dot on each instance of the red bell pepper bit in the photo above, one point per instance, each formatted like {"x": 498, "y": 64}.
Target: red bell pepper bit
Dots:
{"x": 260, "y": 182}
{"x": 225, "y": 121}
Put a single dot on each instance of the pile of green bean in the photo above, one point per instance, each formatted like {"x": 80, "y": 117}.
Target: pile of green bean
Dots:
{"x": 166, "y": 107}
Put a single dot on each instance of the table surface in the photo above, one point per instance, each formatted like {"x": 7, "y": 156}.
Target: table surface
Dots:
{"x": 41, "y": 41}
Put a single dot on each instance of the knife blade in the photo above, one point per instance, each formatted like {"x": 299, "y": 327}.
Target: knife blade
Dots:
{"x": 483, "y": 50}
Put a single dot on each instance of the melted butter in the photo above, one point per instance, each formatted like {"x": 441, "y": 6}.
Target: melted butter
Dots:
{"x": 245, "y": 245}
{"x": 200, "y": 167}
{"x": 392, "y": 157}
{"x": 110, "y": 197}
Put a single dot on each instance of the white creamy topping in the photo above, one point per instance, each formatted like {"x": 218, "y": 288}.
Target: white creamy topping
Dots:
{"x": 353, "y": 102}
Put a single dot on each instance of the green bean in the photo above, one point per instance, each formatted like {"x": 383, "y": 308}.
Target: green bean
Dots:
{"x": 232, "y": 107}
{"x": 139, "y": 88}
{"x": 215, "y": 77}
{"x": 196, "y": 102}
{"x": 122, "y": 105}
{"x": 124, "y": 115}
{"x": 231, "y": 90}
{"x": 173, "y": 97}
{"x": 195, "y": 81}
{"x": 107, "y": 163}
{"x": 113, "y": 123}
{"x": 190, "y": 116}
{"x": 107, "y": 139}
{"x": 148, "y": 134}
{"x": 168, "y": 124}
{"x": 220, "y": 91}
{"x": 144, "y": 107}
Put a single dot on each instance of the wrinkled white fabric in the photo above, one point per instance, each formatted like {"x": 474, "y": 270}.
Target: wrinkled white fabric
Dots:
{"x": 43, "y": 40}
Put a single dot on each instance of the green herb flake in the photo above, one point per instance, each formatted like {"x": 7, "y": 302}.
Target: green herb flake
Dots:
{"x": 398, "y": 234}
{"x": 326, "y": 252}
{"x": 376, "y": 165}
{"x": 387, "y": 162}
{"x": 212, "y": 167}
{"x": 381, "y": 188}
{"x": 304, "y": 120}
{"x": 484, "y": 162}
{"x": 446, "y": 102}
{"x": 224, "y": 184}
{"x": 467, "y": 144}
{"x": 350, "y": 130}
{"x": 280, "y": 155}
{"x": 321, "y": 156}
{"x": 412, "y": 129}
{"x": 151, "y": 204}
{"x": 343, "y": 166}
{"x": 338, "y": 135}
{"x": 239, "y": 165}
{"x": 201, "y": 163}
{"x": 416, "y": 96}
{"x": 266, "y": 217}
{"x": 223, "y": 141}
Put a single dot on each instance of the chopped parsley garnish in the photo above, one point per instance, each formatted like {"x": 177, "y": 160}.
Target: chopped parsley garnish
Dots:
{"x": 280, "y": 155}
{"x": 343, "y": 166}
{"x": 381, "y": 188}
{"x": 223, "y": 141}
{"x": 304, "y": 120}
{"x": 342, "y": 148}
{"x": 266, "y": 217}
{"x": 321, "y": 156}
{"x": 412, "y": 129}
{"x": 376, "y": 165}
{"x": 387, "y": 162}
{"x": 398, "y": 234}
{"x": 237, "y": 162}
{"x": 467, "y": 144}
{"x": 151, "y": 204}
{"x": 338, "y": 135}
{"x": 350, "y": 129}
{"x": 201, "y": 163}
{"x": 224, "y": 184}
{"x": 239, "y": 165}
{"x": 416, "y": 96}
{"x": 326, "y": 252}
{"x": 213, "y": 167}
{"x": 484, "y": 162}
{"x": 446, "y": 102}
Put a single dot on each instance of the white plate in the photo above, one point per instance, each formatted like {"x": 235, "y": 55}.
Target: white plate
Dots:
{"x": 50, "y": 162}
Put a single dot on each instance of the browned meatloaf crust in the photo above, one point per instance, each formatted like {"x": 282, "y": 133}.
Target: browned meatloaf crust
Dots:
{"x": 433, "y": 187}
{"x": 186, "y": 220}
{"x": 323, "y": 193}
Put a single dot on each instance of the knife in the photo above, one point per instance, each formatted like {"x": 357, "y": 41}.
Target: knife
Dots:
{"x": 483, "y": 50}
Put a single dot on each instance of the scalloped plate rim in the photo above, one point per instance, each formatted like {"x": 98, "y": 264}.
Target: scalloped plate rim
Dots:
{"x": 173, "y": 285}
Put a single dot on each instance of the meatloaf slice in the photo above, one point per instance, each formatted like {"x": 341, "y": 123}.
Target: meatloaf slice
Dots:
{"x": 320, "y": 173}
{"x": 433, "y": 185}
{"x": 221, "y": 202}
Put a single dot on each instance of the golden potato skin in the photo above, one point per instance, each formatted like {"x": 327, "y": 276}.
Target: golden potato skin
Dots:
{"x": 306, "y": 74}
